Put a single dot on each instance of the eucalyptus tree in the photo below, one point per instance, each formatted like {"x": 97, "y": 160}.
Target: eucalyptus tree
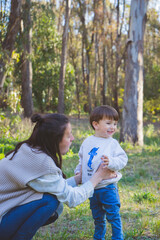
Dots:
{"x": 7, "y": 44}
{"x": 87, "y": 42}
{"x": 105, "y": 67}
{"x": 132, "y": 119}
{"x": 26, "y": 63}
{"x": 102, "y": 50}
{"x": 64, "y": 58}
{"x": 46, "y": 44}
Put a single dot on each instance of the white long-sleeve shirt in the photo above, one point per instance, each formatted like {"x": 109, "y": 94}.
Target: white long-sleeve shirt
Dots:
{"x": 66, "y": 191}
{"x": 90, "y": 153}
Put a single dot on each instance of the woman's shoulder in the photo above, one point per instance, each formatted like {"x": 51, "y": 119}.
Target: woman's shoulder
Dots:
{"x": 38, "y": 158}
{"x": 31, "y": 151}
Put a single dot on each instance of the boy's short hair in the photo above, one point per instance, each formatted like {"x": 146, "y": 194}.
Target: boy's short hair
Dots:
{"x": 103, "y": 111}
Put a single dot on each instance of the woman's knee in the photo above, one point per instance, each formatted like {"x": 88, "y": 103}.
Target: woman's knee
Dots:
{"x": 51, "y": 201}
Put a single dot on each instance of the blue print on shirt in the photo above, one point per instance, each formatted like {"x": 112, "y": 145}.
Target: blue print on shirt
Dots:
{"x": 92, "y": 153}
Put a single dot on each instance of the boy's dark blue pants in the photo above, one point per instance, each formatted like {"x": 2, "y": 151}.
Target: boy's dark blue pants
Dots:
{"x": 105, "y": 204}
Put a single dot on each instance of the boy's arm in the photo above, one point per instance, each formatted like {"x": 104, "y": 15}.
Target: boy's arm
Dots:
{"x": 117, "y": 160}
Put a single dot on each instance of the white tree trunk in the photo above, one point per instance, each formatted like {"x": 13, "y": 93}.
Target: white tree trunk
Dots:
{"x": 132, "y": 119}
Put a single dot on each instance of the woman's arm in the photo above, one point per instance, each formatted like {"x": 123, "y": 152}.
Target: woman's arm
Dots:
{"x": 55, "y": 184}
{"x": 72, "y": 196}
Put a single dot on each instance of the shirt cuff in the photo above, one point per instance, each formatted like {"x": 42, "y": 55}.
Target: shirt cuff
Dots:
{"x": 90, "y": 189}
{"x": 71, "y": 181}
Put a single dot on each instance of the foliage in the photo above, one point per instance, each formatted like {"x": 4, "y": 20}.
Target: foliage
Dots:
{"x": 46, "y": 58}
{"x": 95, "y": 33}
{"x": 46, "y": 61}
{"x": 4, "y": 17}
{"x": 13, "y": 102}
{"x": 152, "y": 109}
{"x": 12, "y": 130}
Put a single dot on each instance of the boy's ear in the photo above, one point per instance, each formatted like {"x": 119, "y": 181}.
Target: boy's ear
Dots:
{"x": 95, "y": 124}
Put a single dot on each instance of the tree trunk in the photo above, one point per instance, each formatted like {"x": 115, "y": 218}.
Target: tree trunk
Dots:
{"x": 26, "y": 68}
{"x": 8, "y": 43}
{"x": 132, "y": 119}
{"x": 63, "y": 58}
{"x": 87, "y": 45}
{"x": 118, "y": 39}
{"x": 96, "y": 68}
{"x": 96, "y": 51}
{"x": 88, "y": 80}
{"x": 83, "y": 67}
{"x": 105, "y": 68}
{"x": 77, "y": 94}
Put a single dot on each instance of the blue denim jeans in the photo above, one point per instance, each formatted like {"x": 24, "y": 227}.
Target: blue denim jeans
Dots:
{"x": 105, "y": 204}
{"x": 22, "y": 222}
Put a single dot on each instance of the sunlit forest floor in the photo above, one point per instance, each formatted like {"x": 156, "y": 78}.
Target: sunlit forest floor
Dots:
{"x": 139, "y": 188}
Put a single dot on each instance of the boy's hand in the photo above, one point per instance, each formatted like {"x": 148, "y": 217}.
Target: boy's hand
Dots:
{"x": 105, "y": 161}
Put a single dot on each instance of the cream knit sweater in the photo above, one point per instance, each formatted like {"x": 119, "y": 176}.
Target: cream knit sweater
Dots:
{"x": 28, "y": 165}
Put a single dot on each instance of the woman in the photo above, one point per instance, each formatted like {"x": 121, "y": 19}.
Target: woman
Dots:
{"x": 32, "y": 184}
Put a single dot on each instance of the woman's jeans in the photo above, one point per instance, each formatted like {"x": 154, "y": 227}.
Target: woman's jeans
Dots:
{"x": 22, "y": 222}
{"x": 105, "y": 204}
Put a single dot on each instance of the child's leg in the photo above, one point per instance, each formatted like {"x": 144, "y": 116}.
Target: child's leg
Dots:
{"x": 99, "y": 217}
{"x": 22, "y": 222}
{"x": 111, "y": 204}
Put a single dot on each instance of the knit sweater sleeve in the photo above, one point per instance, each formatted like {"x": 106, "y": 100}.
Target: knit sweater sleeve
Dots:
{"x": 55, "y": 184}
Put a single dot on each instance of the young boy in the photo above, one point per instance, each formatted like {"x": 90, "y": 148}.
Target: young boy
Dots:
{"x": 105, "y": 203}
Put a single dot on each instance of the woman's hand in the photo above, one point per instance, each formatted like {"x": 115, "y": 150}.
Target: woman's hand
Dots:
{"x": 105, "y": 172}
{"x": 102, "y": 173}
{"x": 78, "y": 178}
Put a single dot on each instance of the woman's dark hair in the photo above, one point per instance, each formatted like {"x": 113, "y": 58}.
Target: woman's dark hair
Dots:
{"x": 46, "y": 135}
{"x": 103, "y": 111}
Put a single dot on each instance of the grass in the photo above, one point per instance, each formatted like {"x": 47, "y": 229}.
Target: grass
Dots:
{"x": 140, "y": 206}
{"x": 139, "y": 191}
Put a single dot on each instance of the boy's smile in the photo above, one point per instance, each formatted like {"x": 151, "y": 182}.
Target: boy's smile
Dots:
{"x": 105, "y": 128}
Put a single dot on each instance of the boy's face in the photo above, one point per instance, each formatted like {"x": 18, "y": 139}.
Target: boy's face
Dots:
{"x": 105, "y": 128}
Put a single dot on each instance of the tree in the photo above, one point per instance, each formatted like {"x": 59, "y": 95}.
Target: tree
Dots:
{"x": 9, "y": 40}
{"x": 132, "y": 119}
{"x": 87, "y": 42}
{"x": 46, "y": 45}
{"x": 26, "y": 66}
{"x": 63, "y": 58}
{"x": 105, "y": 68}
